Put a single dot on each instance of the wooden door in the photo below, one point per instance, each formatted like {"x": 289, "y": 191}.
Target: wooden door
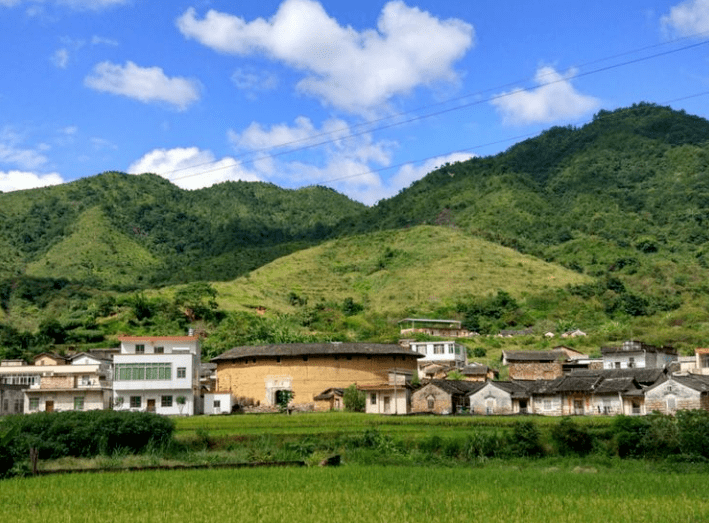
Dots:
{"x": 49, "y": 406}
{"x": 151, "y": 405}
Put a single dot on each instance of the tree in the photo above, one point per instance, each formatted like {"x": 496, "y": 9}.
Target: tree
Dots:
{"x": 354, "y": 399}
{"x": 197, "y": 300}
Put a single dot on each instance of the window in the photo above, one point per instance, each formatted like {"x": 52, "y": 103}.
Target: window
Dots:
{"x": 617, "y": 364}
{"x": 421, "y": 349}
{"x": 18, "y": 405}
{"x": 631, "y": 362}
{"x": 451, "y": 348}
{"x": 217, "y": 404}
{"x": 547, "y": 405}
{"x": 79, "y": 403}
{"x": 373, "y": 399}
{"x": 85, "y": 381}
{"x": 140, "y": 349}
{"x": 166, "y": 401}
{"x": 34, "y": 403}
{"x": 159, "y": 350}
{"x": 135, "y": 402}
{"x": 181, "y": 372}
{"x": 438, "y": 348}
{"x": 143, "y": 371}
{"x": 704, "y": 360}
{"x": 430, "y": 402}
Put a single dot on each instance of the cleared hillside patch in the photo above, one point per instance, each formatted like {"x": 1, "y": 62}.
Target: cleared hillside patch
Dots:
{"x": 391, "y": 271}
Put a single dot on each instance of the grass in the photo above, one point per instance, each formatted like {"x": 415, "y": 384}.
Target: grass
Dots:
{"x": 427, "y": 266}
{"x": 499, "y": 492}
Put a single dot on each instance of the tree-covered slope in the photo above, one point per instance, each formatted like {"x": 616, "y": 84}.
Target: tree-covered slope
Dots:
{"x": 626, "y": 193}
{"x": 214, "y": 233}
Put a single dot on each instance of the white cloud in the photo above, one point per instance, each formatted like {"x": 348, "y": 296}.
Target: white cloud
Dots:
{"x": 555, "y": 99}
{"x": 60, "y": 58}
{"x": 147, "y": 84}
{"x": 20, "y": 180}
{"x": 12, "y": 152}
{"x": 688, "y": 18}
{"x": 252, "y": 82}
{"x": 191, "y": 168}
{"x": 355, "y": 71}
{"x": 100, "y": 40}
{"x": 410, "y": 173}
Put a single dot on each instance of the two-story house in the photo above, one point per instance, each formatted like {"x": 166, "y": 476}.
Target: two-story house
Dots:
{"x": 439, "y": 355}
{"x": 639, "y": 355}
{"x": 158, "y": 374}
{"x": 79, "y": 382}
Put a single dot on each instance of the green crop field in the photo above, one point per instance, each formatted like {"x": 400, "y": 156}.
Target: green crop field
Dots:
{"x": 354, "y": 493}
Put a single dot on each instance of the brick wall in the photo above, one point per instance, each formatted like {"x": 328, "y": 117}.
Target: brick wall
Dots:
{"x": 56, "y": 382}
{"x": 535, "y": 370}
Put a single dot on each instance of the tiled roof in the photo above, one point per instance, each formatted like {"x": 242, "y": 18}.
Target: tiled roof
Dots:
{"x": 534, "y": 355}
{"x": 316, "y": 349}
{"x": 153, "y": 339}
{"x": 643, "y": 376}
{"x": 456, "y": 386}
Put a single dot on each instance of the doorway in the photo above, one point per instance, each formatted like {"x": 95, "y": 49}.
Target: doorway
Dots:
{"x": 49, "y": 406}
{"x": 151, "y": 405}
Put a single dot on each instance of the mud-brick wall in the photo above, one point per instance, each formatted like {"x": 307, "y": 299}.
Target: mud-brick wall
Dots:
{"x": 535, "y": 370}
{"x": 56, "y": 382}
{"x": 442, "y": 401}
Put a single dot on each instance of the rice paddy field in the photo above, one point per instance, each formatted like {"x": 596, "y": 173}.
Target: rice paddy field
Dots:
{"x": 355, "y": 493}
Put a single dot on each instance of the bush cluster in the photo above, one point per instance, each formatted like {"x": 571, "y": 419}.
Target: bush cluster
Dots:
{"x": 86, "y": 434}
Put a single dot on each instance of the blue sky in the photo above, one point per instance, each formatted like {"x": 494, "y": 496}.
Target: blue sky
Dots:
{"x": 364, "y": 97}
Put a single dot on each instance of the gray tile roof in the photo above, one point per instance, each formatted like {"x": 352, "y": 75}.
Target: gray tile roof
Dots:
{"x": 315, "y": 349}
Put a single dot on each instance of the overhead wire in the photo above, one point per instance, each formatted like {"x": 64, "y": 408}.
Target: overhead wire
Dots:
{"x": 258, "y": 156}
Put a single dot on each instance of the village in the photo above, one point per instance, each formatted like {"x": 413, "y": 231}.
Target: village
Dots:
{"x": 165, "y": 375}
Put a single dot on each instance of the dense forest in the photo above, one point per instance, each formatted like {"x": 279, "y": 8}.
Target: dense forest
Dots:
{"x": 623, "y": 202}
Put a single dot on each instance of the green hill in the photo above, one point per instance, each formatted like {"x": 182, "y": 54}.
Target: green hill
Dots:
{"x": 95, "y": 253}
{"x": 602, "y": 227}
{"x": 421, "y": 269}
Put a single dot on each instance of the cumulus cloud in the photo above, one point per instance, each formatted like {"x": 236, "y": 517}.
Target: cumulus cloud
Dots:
{"x": 351, "y": 70}
{"x": 688, "y": 18}
{"x": 146, "y": 84}
{"x": 20, "y": 180}
{"x": 555, "y": 99}
{"x": 191, "y": 168}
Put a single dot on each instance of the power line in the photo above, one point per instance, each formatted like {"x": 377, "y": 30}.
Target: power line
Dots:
{"x": 435, "y": 113}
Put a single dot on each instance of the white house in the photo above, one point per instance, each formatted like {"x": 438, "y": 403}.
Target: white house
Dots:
{"x": 158, "y": 374}
{"x": 447, "y": 353}
{"x": 639, "y": 355}
{"x": 80, "y": 382}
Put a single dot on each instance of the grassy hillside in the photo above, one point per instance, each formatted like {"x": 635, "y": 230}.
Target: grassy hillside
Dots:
{"x": 94, "y": 252}
{"x": 420, "y": 270}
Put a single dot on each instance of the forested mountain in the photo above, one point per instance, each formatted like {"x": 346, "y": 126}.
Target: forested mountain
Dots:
{"x": 85, "y": 230}
{"x": 623, "y": 202}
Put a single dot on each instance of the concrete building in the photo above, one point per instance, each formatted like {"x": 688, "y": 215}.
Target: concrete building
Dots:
{"x": 158, "y": 374}
{"x": 636, "y": 354}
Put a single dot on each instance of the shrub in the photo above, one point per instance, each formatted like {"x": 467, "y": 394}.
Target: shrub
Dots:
{"x": 87, "y": 434}
{"x": 353, "y": 399}
{"x": 569, "y": 438}
{"x": 525, "y": 440}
